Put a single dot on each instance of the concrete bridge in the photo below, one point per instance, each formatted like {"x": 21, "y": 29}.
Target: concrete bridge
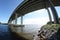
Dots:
{"x": 32, "y": 5}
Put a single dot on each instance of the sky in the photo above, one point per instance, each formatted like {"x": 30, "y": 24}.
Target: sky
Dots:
{"x": 6, "y": 9}
{"x": 37, "y": 17}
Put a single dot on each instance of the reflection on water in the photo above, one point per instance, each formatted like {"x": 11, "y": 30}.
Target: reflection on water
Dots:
{"x": 6, "y": 34}
{"x": 30, "y": 29}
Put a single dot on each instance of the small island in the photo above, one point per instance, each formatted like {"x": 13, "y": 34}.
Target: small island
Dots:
{"x": 0, "y": 22}
{"x": 3, "y": 23}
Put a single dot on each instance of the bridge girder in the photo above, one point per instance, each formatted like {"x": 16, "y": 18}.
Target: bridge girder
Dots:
{"x": 31, "y": 5}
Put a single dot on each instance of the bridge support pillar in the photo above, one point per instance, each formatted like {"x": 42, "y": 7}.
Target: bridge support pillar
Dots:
{"x": 21, "y": 20}
{"x": 49, "y": 15}
{"x": 55, "y": 15}
{"x": 22, "y": 24}
{"x": 16, "y": 15}
{"x": 10, "y": 22}
{"x": 16, "y": 19}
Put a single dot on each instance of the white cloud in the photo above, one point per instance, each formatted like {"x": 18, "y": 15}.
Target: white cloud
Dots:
{"x": 41, "y": 21}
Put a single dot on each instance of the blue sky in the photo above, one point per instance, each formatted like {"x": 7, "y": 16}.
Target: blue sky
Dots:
{"x": 6, "y": 8}
{"x": 36, "y": 17}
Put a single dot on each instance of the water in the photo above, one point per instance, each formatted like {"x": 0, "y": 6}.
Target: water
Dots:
{"x": 5, "y": 33}
{"x": 30, "y": 29}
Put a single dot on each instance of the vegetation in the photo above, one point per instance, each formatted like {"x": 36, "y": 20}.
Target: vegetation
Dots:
{"x": 52, "y": 26}
{"x": 50, "y": 22}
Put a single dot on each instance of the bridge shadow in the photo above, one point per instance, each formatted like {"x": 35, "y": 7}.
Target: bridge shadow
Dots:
{"x": 17, "y": 37}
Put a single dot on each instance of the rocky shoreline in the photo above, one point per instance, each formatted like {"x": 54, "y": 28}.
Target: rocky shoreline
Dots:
{"x": 49, "y": 32}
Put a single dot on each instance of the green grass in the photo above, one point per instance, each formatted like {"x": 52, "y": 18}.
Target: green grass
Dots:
{"x": 52, "y": 26}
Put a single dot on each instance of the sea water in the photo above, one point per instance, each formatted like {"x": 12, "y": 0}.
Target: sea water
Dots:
{"x": 30, "y": 29}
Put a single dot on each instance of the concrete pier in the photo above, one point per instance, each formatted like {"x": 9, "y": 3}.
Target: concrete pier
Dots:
{"x": 55, "y": 15}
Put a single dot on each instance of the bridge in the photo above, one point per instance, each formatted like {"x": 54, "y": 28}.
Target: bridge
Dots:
{"x": 32, "y": 5}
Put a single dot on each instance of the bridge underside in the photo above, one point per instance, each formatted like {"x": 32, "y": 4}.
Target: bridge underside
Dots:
{"x": 29, "y": 6}
{"x": 32, "y": 5}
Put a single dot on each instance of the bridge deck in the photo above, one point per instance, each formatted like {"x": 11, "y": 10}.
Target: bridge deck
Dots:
{"x": 31, "y": 5}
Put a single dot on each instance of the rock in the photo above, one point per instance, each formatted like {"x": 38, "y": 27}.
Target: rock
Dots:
{"x": 50, "y": 32}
